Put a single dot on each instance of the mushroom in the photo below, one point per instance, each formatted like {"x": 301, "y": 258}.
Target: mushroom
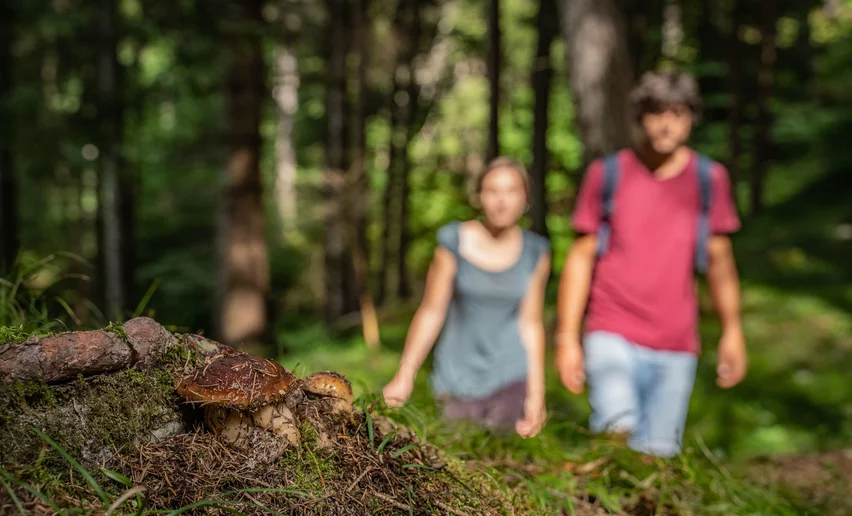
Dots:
{"x": 239, "y": 391}
{"x": 332, "y": 386}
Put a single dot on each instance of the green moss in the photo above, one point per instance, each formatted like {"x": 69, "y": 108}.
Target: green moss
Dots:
{"x": 118, "y": 330}
{"x": 10, "y": 334}
{"x": 86, "y": 416}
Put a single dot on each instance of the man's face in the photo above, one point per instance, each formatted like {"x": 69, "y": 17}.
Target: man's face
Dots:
{"x": 667, "y": 128}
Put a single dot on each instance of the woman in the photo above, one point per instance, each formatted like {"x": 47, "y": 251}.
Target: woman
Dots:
{"x": 486, "y": 281}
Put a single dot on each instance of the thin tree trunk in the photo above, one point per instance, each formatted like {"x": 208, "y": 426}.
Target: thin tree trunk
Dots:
{"x": 335, "y": 238}
{"x": 548, "y": 28}
{"x": 765, "y": 83}
{"x": 494, "y": 79}
{"x": 406, "y": 123}
{"x": 734, "y": 52}
{"x": 114, "y": 187}
{"x": 9, "y": 235}
{"x": 360, "y": 192}
{"x": 672, "y": 31}
{"x": 392, "y": 187}
{"x": 286, "y": 94}
{"x": 599, "y": 67}
{"x": 636, "y": 14}
{"x": 245, "y": 263}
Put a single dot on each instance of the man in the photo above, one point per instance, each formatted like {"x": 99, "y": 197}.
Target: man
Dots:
{"x": 639, "y": 347}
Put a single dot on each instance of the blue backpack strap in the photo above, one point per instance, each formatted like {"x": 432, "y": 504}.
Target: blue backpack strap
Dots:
{"x": 705, "y": 184}
{"x": 607, "y": 202}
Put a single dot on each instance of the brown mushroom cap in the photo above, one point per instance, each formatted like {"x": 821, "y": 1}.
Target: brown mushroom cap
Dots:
{"x": 237, "y": 381}
{"x": 329, "y": 384}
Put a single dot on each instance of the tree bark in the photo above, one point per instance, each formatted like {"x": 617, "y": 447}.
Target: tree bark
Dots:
{"x": 672, "y": 32}
{"x": 765, "y": 84}
{"x": 548, "y": 27}
{"x": 286, "y": 95}
{"x": 116, "y": 187}
{"x": 9, "y": 235}
{"x": 361, "y": 188}
{"x": 599, "y": 67}
{"x": 391, "y": 194}
{"x": 407, "y": 106}
{"x": 734, "y": 52}
{"x": 494, "y": 59}
{"x": 244, "y": 259}
{"x": 335, "y": 238}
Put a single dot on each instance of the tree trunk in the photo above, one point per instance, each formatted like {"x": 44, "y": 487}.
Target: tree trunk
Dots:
{"x": 672, "y": 32}
{"x": 599, "y": 67}
{"x": 335, "y": 237}
{"x": 638, "y": 22}
{"x": 734, "y": 52}
{"x": 400, "y": 40}
{"x": 494, "y": 79}
{"x": 244, "y": 260}
{"x": 407, "y": 106}
{"x": 548, "y": 27}
{"x": 360, "y": 191}
{"x": 286, "y": 96}
{"x": 9, "y": 243}
{"x": 765, "y": 83}
{"x": 116, "y": 187}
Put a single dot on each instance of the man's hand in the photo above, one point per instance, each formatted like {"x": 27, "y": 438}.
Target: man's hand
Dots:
{"x": 733, "y": 360}
{"x": 534, "y": 417}
{"x": 397, "y": 391}
{"x": 569, "y": 362}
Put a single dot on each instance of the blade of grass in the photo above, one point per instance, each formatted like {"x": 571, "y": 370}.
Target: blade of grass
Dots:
{"x": 118, "y": 477}
{"x": 402, "y": 450}
{"x": 33, "y": 491}
{"x": 221, "y": 504}
{"x": 13, "y": 496}
{"x": 88, "y": 476}
{"x": 384, "y": 442}
{"x": 369, "y": 419}
{"x": 146, "y": 298}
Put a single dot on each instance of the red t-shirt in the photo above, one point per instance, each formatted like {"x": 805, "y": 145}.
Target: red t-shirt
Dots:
{"x": 643, "y": 288}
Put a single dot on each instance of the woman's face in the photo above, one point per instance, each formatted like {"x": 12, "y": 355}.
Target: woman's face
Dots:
{"x": 503, "y": 197}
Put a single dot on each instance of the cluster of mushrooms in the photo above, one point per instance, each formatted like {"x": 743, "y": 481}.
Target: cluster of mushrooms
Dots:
{"x": 241, "y": 393}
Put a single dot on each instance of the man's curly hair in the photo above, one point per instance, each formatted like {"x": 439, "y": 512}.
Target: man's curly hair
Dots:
{"x": 658, "y": 90}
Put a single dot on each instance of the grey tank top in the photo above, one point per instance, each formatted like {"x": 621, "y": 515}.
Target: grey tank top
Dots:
{"x": 480, "y": 348}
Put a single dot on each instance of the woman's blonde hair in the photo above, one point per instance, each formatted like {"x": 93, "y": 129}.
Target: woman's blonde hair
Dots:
{"x": 494, "y": 164}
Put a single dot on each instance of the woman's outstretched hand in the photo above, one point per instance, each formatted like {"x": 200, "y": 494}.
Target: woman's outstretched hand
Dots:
{"x": 534, "y": 418}
{"x": 397, "y": 391}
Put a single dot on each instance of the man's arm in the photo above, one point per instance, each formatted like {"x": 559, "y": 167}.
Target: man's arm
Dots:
{"x": 574, "y": 285}
{"x": 574, "y": 288}
{"x": 723, "y": 280}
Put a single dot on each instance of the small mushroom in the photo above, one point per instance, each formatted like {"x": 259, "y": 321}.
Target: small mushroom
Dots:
{"x": 332, "y": 386}
{"x": 240, "y": 391}
{"x": 278, "y": 419}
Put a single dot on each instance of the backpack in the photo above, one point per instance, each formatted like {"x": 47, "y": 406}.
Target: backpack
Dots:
{"x": 611, "y": 172}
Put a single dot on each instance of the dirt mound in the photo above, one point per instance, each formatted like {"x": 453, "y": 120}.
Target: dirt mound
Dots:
{"x": 108, "y": 429}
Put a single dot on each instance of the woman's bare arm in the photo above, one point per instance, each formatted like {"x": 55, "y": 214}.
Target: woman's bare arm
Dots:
{"x": 429, "y": 318}
{"x": 531, "y": 322}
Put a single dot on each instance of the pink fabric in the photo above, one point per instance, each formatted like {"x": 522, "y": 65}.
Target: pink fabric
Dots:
{"x": 644, "y": 286}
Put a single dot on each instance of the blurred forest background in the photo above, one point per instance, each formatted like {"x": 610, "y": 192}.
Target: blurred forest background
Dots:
{"x": 272, "y": 173}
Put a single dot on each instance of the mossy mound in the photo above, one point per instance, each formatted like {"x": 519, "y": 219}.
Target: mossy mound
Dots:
{"x": 92, "y": 417}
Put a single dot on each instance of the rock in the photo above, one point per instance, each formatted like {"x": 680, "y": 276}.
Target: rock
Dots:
{"x": 148, "y": 339}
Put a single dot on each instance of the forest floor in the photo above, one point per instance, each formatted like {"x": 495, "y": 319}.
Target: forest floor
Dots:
{"x": 778, "y": 443}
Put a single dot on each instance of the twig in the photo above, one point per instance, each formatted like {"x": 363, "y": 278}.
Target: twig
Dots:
{"x": 392, "y": 501}
{"x": 353, "y": 484}
{"x": 447, "y": 508}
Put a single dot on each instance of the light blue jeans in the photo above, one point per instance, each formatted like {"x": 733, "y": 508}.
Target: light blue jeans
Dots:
{"x": 640, "y": 391}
